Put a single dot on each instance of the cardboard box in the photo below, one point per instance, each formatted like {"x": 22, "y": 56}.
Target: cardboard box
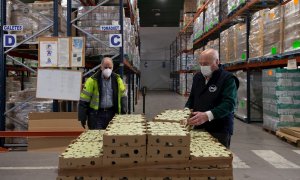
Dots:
{"x": 124, "y": 152}
{"x": 53, "y": 122}
{"x": 73, "y": 177}
{"x": 137, "y": 140}
{"x": 123, "y": 178}
{"x": 176, "y": 141}
{"x": 168, "y": 178}
{"x": 122, "y": 161}
{"x": 168, "y": 152}
{"x": 70, "y": 163}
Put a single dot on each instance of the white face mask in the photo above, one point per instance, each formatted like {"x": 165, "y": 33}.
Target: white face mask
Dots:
{"x": 106, "y": 72}
{"x": 206, "y": 70}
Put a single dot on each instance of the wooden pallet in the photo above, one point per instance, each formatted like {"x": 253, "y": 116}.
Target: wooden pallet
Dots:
{"x": 288, "y": 138}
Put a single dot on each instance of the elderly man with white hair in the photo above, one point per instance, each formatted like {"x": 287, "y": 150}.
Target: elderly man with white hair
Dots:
{"x": 213, "y": 98}
{"x": 101, "y": 96}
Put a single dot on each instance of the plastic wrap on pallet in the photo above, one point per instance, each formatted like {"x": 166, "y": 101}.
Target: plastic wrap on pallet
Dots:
{"x": 185, "y": 81}
{"x": 12, "y": 85}
{"x": 291, "y": 26}
{"x": 224, "y": 47}
{"x": 255, "y": 93}
{"x": 29, "y": 16}
{"x": 190, "y": 6}
{"x": 198, "y": 27}
{"x": 214, "y": 44}
{"x": 187, "y": 17}
{"x": 272, "y": 31}
{"x": 281, "y": 98}
{"x": 197, "y": 54}
{"x": 17, "y": 120}
{"x": 200, "y": 3}
{"x": 211, "y": 15}
{"x": 241, "y": 44}
{"x": 234, "y": 4}
{"x": 256, "y": 38}
{"x": 190, "y": 42}
{"x": 231, "y": 44}
{"x": 8, "y": 11}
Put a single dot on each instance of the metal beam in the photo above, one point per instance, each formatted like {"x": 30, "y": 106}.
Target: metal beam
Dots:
{"x": 55, "y": 33}
{"x": 121, "y": 5}
{"x": 2, "y": 72}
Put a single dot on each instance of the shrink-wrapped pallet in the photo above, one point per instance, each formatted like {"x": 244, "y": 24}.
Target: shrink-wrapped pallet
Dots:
{"x": 291, "y": 26}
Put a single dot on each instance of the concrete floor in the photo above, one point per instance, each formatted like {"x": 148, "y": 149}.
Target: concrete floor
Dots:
{"x": 258, "y": 155}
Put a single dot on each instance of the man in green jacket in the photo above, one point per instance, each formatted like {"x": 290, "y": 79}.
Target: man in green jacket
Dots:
{"x": 101, "y": 96}
{"x": 213, "y": 98}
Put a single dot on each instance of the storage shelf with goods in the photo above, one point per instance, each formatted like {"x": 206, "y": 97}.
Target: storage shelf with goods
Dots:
{"x": 249, "y": 35}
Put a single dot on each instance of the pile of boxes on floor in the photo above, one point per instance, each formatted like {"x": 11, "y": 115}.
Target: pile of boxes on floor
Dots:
{"x": 17, "y": 119}
{"x": 281, "y": 98}
{"x": 131, "y": 141}
{"x": 34, "y": 17}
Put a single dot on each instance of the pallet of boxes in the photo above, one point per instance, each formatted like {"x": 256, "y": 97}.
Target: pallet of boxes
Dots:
{"x": 131, "y": 148}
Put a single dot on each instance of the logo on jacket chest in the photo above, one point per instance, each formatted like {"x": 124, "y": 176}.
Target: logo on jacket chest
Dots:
{"x": 212, "y": 88}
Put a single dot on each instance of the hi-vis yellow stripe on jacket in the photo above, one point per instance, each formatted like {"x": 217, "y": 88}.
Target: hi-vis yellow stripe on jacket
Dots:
{"x": 90, "y": 92}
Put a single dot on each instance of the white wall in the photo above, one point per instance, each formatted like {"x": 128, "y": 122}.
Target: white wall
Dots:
{"x": 155, "y": 45}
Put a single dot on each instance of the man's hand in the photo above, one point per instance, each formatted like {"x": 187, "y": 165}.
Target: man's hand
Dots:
{"x": 83, "y": 123}
{"x": 198, "y": 118}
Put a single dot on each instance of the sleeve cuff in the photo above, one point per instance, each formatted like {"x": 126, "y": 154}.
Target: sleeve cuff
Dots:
{"x": 209, "y": 115}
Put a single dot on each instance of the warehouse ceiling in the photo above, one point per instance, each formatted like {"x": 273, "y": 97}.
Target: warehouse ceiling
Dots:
{"x": 160, "y": 13}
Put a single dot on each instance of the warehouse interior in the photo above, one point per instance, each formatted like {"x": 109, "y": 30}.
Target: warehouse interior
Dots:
{"x": 50, "y": 49}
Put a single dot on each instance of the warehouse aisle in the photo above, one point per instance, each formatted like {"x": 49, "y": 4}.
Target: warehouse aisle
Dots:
{"x": 258, "y": 155}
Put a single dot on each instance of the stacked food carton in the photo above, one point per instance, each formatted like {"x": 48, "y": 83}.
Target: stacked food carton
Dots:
{"x": 85, "y": 152}
{"x": 234, "y": 4}
{"x": 213, "y": 45}
{"x": 207, "y": 153}
{"x": 198, "y": 29}
{"x": 172, "y": 115}
{"x": 233, "y": 43}
{"x": 256, "y": 39}
{"x": 17, "y": 119}
{"x": 124, "y": 141}
{"x": 224, "y": 44}
{"x": 241, "y": 46}
{"x": 34, "y": 17}
{"x": 120, "y": 151}
{"x": 291, "y": 26}
{"x": 167, "y": 142}
{"x": 273, "y": 31}
{"x": 211, "y": 15}
{"x": 281, "y": 98}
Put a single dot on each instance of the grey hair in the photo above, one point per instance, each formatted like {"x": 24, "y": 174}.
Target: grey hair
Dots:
{"x": 108, "y": 59}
